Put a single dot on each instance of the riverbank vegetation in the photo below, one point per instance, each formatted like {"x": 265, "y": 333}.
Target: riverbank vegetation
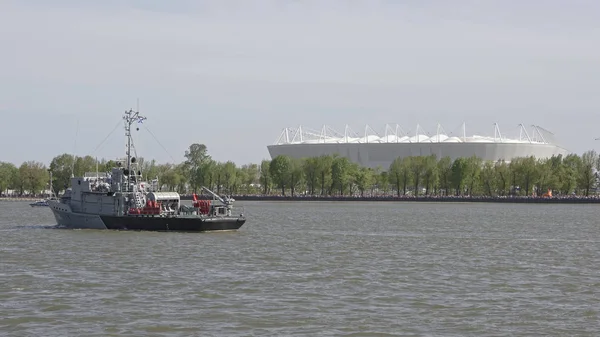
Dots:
{"x": 330, "y": 175}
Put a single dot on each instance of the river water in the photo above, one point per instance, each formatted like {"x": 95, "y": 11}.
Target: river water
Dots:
{"x": 310, "y": 269}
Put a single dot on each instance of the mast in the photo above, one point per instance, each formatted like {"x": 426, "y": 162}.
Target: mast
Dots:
{"x": 130, "y": 117}
{"x": 51, "y": 189}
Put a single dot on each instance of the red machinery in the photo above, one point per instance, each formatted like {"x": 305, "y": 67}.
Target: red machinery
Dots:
{"x": 152, "y": 207}
{"x": 134, "y": 211}
{"x": 202, "y": 205}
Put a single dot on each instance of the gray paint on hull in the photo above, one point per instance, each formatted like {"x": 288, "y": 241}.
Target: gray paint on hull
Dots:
{"x": 67, "y": 219}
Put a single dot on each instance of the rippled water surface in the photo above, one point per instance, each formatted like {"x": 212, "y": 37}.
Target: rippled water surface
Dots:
{"x": 308, "y": 268}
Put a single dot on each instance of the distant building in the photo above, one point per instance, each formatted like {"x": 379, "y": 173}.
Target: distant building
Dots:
{"x": 373, "y": 150}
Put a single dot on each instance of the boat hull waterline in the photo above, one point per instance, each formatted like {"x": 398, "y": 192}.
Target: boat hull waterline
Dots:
{"x": 72, "y": 220}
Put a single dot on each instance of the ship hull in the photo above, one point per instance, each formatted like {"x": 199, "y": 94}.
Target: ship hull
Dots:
{"x": 171, "y": 224}
{"x": 65, "y": 218}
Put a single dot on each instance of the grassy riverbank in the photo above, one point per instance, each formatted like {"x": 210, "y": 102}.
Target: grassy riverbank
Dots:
{"x": 517, "y": 199}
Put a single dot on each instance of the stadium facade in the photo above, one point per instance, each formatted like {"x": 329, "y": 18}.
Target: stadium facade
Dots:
{"x": 373, "y": 150}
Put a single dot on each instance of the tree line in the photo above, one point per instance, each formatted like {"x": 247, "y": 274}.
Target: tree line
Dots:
{"x": 329, "y": 175}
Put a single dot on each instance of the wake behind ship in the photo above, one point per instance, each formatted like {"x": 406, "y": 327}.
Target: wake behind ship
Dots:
{"x": 122, "y": 200}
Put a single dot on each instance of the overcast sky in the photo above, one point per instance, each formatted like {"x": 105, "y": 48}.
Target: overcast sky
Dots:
{"x": 232, "y": 74}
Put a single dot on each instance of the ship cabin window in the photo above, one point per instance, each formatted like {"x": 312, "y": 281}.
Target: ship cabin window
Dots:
{"x": 220, "y": 210}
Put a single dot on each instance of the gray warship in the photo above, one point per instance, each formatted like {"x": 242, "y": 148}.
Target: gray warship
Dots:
{"x": 123, "y": 200}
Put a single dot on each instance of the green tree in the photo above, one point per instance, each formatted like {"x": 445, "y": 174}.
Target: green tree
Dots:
{"x": 249, "y": 176}
{"x": 340, "y": 174}
{"x": 180, "y": 171}
{"x": 502, "y": 174}
{"x": 353, "y": 171}
{"x": 460, "y": 170}
{"x": 310, "y": 168}
{"x": 365, "y": 179}
{"x": 195, "y": 165}
{"x": 83, "y": 165}
{"x": 107, "y": 165}
{"x": 324, "y": 173}
{"x": 149, "y": 169}
{"x": 18, "y": 183}
{"x": 543, "y": 176}
{"x": 7, "y": 173}
{"x": 62, "y": 170}
{"x": 218, "y": 177}
{"x": 488, "y": 178}
{"x": 170, "y": 177}
{"x": 525, "y": 169}
{"x": 430, "y": 173}
{"x": 229, "y": 171}
{"x": 399, "y": 174}
{"x": 568, "y": 182}
{"x": 383, "y": 181}
{"x": 586, "y": 177}
{"x": 556, "y": 174}
{"x": 473, "y": 169}
{"x": 417, "y": 167}
{"x": 378, "y": 180}
{"x": 265, "y": 176}
{"x": 295, "y": 175}
{"x": 210, "y": 174}
{"x": 444, "y": 173}
{"x": 279, "y": 170}
{"x": 34, "y": 176}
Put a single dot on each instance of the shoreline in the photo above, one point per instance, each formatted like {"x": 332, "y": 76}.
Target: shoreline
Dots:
{"x": 29, "y": 199}
{"x": 534, "y": 200}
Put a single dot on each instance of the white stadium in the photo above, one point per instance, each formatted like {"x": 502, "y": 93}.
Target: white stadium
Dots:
{"x": 374, "y": 150}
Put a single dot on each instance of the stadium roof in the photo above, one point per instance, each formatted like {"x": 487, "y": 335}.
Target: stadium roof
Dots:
{"x": 395, "y": 134}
